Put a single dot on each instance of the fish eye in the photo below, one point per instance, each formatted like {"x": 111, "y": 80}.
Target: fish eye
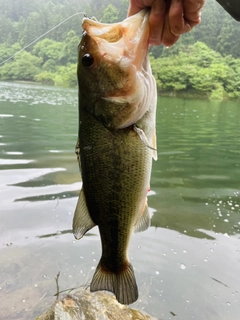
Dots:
{"x": 87, "y": 60}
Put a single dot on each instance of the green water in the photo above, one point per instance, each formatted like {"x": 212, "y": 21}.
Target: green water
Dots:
{"x": 187, "y": 264}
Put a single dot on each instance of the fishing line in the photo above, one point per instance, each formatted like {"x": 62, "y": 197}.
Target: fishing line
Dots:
{"x": 75, "y": 14}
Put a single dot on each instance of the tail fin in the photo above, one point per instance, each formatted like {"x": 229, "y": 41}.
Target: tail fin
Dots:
{"x": 122, "y": 284}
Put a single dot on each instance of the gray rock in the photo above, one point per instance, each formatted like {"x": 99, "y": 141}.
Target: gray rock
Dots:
{"x": 85, "y": 305}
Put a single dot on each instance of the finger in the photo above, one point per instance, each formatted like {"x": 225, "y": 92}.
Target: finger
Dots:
{"x": 134, "y": 7}
{"x": 192, "y": 10}
{"x": 177, "y": 23}
{"x": 156, "y": 22}
{"x": 168, "y": 38}
{"x": 137, "y": 5}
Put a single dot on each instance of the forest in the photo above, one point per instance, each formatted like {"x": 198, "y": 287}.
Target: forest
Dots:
{"x": 205, "y": 62}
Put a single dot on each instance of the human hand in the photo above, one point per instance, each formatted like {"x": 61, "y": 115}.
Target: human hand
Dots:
{"x": 169, "y": 18}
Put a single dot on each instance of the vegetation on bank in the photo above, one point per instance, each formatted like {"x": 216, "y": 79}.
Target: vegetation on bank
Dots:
{"x": 197, "y": 71}
{"x": 204, "y": 62}
{"x": 49, "y": 62}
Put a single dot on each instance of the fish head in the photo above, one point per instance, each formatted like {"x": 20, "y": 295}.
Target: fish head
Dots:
{"x": 114, "y": 74}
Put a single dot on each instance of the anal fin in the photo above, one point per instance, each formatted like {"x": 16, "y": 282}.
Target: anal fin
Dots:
{"x": 82, "y": 222}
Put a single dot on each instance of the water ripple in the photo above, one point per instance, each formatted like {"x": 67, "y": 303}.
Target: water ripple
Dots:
{"x": 6, "y": 115}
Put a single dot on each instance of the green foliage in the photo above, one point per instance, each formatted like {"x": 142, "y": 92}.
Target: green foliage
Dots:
{"x": 7, "y": 51}
{"x": 69, "y": 51}
{"x": 7, "y": 26}
{"x": 23, "y": 21}
{"x": 33, "y": 27}
{"x": 43, "y": 64}
{"x": 24, "y": 67}
{"x": 205, "y": 61}
{"x": 50, "y": 65}
{"x": 66, "y": 76}
{"x": 205, "y": 56}
{"x": 45, "y": 78}
{"x": 217, "y": 93}
{"x": 198, "y": 70}
{"x": 110, "y": 14}
{"x": 48, "y": 49}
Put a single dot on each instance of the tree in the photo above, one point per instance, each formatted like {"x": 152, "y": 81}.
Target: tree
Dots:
{"x": 69, "y": 51}
{"x": 34, "y": 28}
{"x": 24, "y": 67}
{"x": 198, "y": 69}
{"x": 7, "y": 26}
{"x": 66, "y": 76}
{"x": 110, "y": 14}
{"x": 7, "y": 51}
{"x": 48, "y": 49}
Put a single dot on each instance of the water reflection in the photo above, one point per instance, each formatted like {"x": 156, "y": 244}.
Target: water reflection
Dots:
{"x": 12, "y": 161}
{"x": 198, "y": 146}
{"x": 52, "y": 196}
{"x": 61, "y": 232}
{"x": 6, "y": 115}
{"x": 187, "y": 264}
{"x": 36, "y": 95}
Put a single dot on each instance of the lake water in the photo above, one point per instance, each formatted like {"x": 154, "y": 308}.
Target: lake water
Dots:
{"x": 187, "y": 263}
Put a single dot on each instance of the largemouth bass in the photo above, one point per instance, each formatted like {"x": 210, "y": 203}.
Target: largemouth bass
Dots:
{"x": 117, "y": 107}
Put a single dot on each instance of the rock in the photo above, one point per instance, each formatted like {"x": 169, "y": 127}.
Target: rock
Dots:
{"x": 85, "y": 305}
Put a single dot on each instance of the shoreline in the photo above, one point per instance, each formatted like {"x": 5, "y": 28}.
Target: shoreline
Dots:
{"x": 191, "y": 94}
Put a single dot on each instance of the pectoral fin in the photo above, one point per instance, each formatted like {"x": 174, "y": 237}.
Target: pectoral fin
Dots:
{"x": 144, "y": 221}
{"x": 144, "y": 140}
{"x": 82, "y": 222}
{"x": 154, "y": 145}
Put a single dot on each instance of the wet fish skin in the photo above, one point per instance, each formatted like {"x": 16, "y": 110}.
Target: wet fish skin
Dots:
{"x": 115, "y": 163}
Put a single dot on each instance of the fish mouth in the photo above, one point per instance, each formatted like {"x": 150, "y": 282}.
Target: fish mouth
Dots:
{"x": 126, "y": 42}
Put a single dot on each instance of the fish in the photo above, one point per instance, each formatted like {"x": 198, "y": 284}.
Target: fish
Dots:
{"x": 116, "y": 144}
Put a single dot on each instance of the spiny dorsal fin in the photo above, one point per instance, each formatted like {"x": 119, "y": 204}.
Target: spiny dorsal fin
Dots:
{"x": 82, "y": 222}
{"x": 122, "y": 284}
{"x": 144, "y": 221}
{"x": 77, "y": 151}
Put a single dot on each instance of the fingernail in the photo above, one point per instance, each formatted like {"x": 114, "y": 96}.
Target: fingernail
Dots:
{"x": 155, "y": 38}
{"x": 154, "y": 41}
{"x": 158, "y": 6}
